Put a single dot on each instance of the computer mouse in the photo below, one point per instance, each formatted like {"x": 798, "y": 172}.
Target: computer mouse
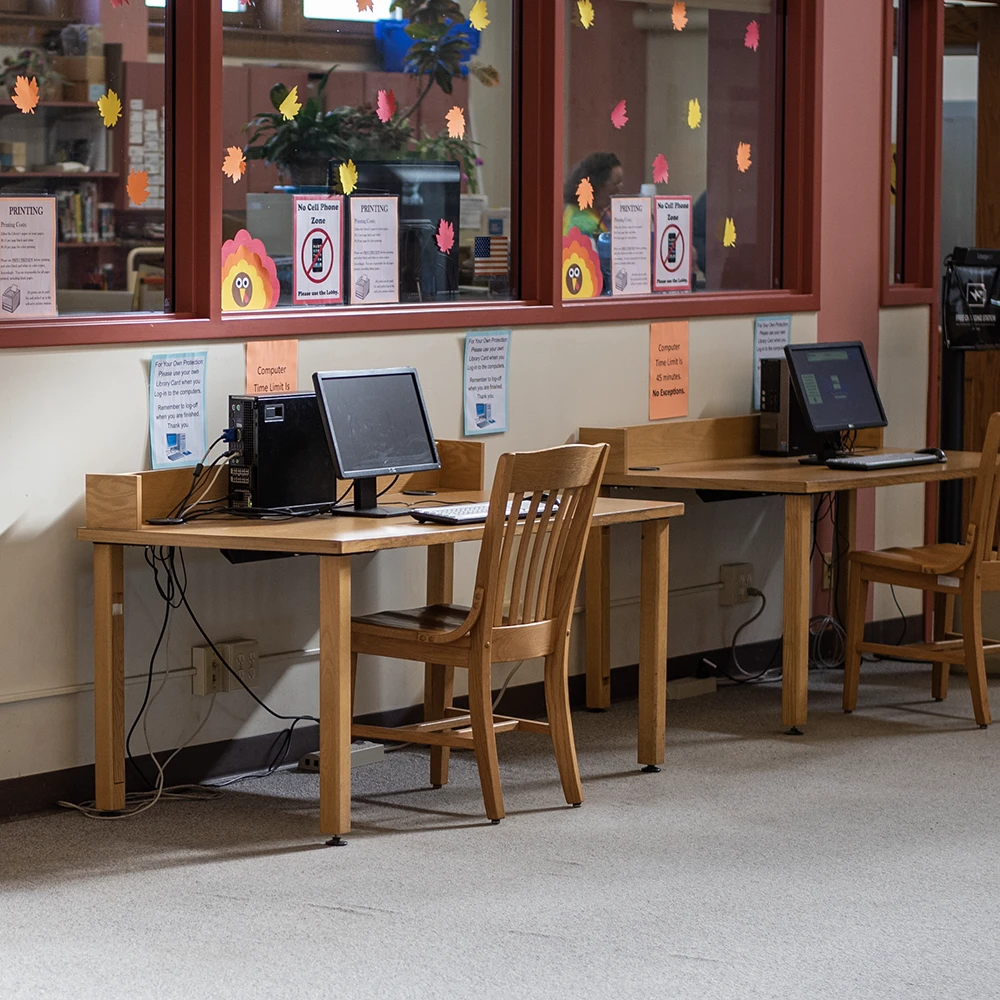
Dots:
{"x": 938, "y": 453}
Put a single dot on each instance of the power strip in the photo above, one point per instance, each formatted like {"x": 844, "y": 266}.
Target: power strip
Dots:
{"x": 362, "y": 752}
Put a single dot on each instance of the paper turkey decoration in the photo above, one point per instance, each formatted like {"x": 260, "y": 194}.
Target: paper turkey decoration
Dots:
{"x": 249, "y": 277}
{"x": 581, "y": 267}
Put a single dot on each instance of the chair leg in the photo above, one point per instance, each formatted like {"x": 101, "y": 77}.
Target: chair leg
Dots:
{"x": 857, "y": 605}
{"x": 944, "y": 622}
{"x": 481, "y": 710}
{"x": 439, "y": 692}
{"x": 975, "y": 660}
{"x": 354, "y": 678}
{"x": 561, "y": 724}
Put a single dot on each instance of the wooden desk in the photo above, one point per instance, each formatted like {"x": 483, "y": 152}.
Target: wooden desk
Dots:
{"x": 118, "y": 508}
{"x": 720, "y": 454}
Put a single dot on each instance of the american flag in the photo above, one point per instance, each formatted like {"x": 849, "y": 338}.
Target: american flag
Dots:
{"x": 490, "y": 254}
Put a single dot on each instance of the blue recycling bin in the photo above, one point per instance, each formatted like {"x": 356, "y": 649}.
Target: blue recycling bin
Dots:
{"x": 393, "y": 43}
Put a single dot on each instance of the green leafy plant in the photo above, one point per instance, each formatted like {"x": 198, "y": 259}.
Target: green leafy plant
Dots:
{"x": 443, "y": 147}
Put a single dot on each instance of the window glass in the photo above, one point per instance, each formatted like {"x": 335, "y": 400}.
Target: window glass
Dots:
{"x": 378, "y": 160}
{"x": 673, "y": 119}
{"x": 83, "y": 178}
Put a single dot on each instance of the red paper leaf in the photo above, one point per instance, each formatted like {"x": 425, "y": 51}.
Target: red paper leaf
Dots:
{"x": 752, "y": 39}
{"x": 618, "y": 116}
{"x": 445, "y": 236}
{"x": 661, "y": 171}
{"x": 118, "y": 3}
{"x": 386, "y": 106}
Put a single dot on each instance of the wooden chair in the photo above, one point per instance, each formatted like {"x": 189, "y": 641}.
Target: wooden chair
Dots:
{"x": 535, "y": 564}
{"x": 951, "y": 570}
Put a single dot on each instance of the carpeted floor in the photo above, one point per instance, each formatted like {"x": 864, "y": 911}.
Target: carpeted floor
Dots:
{"x": 857, "y": 861}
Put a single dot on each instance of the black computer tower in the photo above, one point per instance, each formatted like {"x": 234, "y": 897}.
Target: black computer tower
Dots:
{"x": 783, "y": 427}
{"x": 282, "y": 457}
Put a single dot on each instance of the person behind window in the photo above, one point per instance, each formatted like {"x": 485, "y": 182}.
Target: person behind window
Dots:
{"x": 605, "y": 173}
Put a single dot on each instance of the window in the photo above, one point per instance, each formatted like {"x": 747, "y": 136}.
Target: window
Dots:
{"x": 345, "y": 10}
{"x": 378, "y": 164}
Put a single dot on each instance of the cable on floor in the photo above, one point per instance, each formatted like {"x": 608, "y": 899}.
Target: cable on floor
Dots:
{"x": 745, "y": 676}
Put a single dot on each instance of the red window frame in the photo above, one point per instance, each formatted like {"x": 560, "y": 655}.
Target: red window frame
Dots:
{"x": 194, "y": 205}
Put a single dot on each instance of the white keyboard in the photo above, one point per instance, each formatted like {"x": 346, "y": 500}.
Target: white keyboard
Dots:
{"x": 872, "y": 462}
{"x": 467, "y": 513}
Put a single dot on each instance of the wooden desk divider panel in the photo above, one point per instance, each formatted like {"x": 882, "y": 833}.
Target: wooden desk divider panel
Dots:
{"x": 672, "y": 443}
{"x": 131, "y": 500}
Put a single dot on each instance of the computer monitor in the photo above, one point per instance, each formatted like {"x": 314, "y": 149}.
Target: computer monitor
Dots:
{"x": 376, "y": 424}
{"x": 836, "y": 392}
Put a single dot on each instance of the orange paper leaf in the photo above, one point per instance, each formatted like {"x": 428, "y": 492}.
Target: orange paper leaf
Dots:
{"x": 445, "y": 236}
{"x": 456, "y": 122}
{"x": 26, "y": 94}
{"x": 386, "y": 106}
{"x": 364, "y": 5}
{"x": 679, "y": 15}
{"x": 618, "y": 117}
{"x": 743, "y": 161}
{"x": 585, "y": 194}
{"x": 752, "y": 39}
{"x": 661, "y": 171}
{"x": 234, "y": 165}
{"x": 137, "y": 186}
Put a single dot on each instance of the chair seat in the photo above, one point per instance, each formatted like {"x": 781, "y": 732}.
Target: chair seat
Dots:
{"x": 946, "y": 558}
{"x": 433, "y": 618}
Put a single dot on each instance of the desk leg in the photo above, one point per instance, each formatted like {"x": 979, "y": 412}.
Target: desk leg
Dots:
{"x": 439, "y": 680}
{"x": 335, "y": 696}
{"x": 846, "y": 540}
{"x": 795, "y": 662}
{"x": 597, "y": 601}
{"x": 109, "y": 677}
{"x": 653, "y": 643}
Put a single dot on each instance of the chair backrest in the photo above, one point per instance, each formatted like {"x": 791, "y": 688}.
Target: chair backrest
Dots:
{"x": 982, "y": 530}
{"x": 538, "y": 566}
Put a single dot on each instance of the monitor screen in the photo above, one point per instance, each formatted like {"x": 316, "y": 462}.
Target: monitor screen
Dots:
{"x": 376, "y": 422}
{"x": 834, "y": 386}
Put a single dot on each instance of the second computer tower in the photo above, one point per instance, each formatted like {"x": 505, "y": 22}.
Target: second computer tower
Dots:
{"x": 782, "y": 426}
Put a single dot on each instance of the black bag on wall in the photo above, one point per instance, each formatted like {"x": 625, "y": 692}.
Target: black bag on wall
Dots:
{"x": 970, "y": 299}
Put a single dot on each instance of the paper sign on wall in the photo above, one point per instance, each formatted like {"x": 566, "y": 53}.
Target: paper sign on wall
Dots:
{"x": 668, "y": 370}
{"x": 630, "y": 230}
{"x": 177, "y": 409}
{"x": 487, "y": 357}
{"x": 272, "y": 366}
{"x": 770, "y": 334}
{"x": 374, "y": 250}
{"x": 317, "y": 243}
{"x": 672, "y": 249}
{"x": 27, "y": 257}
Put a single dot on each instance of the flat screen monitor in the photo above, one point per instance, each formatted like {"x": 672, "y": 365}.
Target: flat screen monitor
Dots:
{"x": 376, "y": 425}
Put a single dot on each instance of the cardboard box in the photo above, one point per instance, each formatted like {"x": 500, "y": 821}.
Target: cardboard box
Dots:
{"x": 82, "y": 91}
{"x": 80, "y": 69}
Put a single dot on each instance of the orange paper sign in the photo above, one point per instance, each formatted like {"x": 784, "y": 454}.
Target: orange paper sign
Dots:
{"x": 668, "y": 370}
{"x": 272, "y": 366}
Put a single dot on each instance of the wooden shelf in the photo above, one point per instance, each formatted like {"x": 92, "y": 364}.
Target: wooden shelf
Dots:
{"x": 88, "y": 246}
{"x": 42, "y": 105}
{"x": 62, "y": 175}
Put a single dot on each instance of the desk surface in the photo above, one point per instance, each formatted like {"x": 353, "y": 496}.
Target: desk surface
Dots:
{"x": 346, "y": 535}
{"x": 761, "y": 474}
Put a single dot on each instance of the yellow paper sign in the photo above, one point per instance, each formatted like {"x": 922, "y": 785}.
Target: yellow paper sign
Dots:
{"x": 272, "y": 366}
{"x": 668, "y": 370}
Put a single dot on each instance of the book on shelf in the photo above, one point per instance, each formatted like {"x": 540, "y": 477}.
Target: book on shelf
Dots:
{"x": 82, "y": 216}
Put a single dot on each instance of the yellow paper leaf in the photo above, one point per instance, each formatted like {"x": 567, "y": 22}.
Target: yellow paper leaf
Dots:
{"x": 479, "y": 16}
{"x": 25, "y": 95}
{"x": 679, "y": 15}
{"x": 743, "y": 161}
{"x": 234, "y": 165}
{"x": 729, "y": 234}
{"x": 291, "y": 105}
{"x": 348, "y": 176}
{"x": 585, "y": 194}
{"x": 456, "y": 122}
{"x": 586, "y": 9}
{"x": 694, "y": 113}
{"x": 110, "y": 108}
{"x": 137, "y": 186}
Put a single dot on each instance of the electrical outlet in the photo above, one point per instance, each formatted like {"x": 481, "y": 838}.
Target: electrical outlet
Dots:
{"x": 735, "y": 578}
{"x": 243, "y": 656}
{"x": 827, "y": 570}
{"x": 208, "y": 671}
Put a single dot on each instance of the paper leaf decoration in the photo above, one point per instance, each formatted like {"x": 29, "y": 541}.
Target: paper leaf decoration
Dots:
{"x": 456, "y": 122}
{"x": 661, "y": 170}
{"x": 118, "y": 3}
{"x": 110, "y": 108}
{"x": 581, "y": 267}
{"x": 743, "y": 161}
{"x": 364, "y": 5}
{"x": 479, "y": 16}
{"x": 348, "y": 176}
{"x": 234, "y": 165}
{"x": 729, "y": 234}
{"x": 249, "y": 277}
{"x": 291, "y": 105}
{"x": 586, "y": 9}
{"x": 137, "y": 186}
{"x": 488, "y": 76}
{"x": 386, "y": 106}
{"x": 25, "y": 95}
{"x": 445, "y": 236}
{"x": 694, "y": 113}
{"x": 679, "y": 15}
{"x": 752, "y": 39}
{"x": 585, "y": 194}
{"x": 618, "y": 117}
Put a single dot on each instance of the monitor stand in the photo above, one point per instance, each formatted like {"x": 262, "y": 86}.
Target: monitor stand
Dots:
{"x": 827, "y": 446}
{"x": 366, "y": 502}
